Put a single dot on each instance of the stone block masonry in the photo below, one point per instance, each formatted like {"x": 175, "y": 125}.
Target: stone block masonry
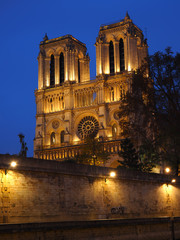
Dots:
{"x": 48, "y": 191}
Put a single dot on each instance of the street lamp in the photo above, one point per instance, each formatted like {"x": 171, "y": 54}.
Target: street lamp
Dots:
{"x": 112, "y": 174}
{"x": 12, "y": 164}
{"x": 167, "y": 170}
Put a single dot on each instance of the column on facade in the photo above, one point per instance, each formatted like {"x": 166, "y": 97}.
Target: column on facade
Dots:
{"x": 105, "y": 58}
{"x": 81, "y": 63}
{"x": 74, "y": 97}
{"x": 115, "y": 92}
{"x": 47, "y": 71}
{"x": 81, "y": 99}
{"x": 118, "y": 92}
{"x": 60, "y": 102}
{"x": 56, "y": 103}
{"x": 72, "y": 66}
{"x": 134, "y": 56}
{"x": 86, "y": 74}
{"x": 89, "y": 100}
{"x": 97, "y": 59}
{"x": 66, "y": 64}
{"x": 77, "y": 99}
{"x": 101, "y": 90}
{"x": 76, "y": 67}
{"x": 126, "y": 52}
{"x": 84, "y": 69}
{"x": 40, "y": 71}
{"x": 116, "y": 57}
{"x": 56, "y": 69}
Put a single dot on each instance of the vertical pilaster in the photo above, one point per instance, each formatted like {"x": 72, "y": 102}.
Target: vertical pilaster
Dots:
{"x": 116, "y": 57}
{"x": 76, "y": 67}
{"x": 56, "y": 70}
{"x": 66, "y": 65}
{"x": 47, "y": 71}
{"x": 40, "y": 71}
{"x": 106, "y": 60}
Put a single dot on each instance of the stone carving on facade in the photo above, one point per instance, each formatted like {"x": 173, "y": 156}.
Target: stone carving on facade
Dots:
{"x": 117, "y": 115}
{"x": 87, "y": 126}
{"x": 55, "y": 124}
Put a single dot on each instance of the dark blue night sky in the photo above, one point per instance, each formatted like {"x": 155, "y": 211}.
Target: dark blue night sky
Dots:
{"x": 23, "y": 25}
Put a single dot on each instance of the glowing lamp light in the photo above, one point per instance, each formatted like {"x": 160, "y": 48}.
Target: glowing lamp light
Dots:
{"x": 173, "y": 180}
{"x": 112, "y": 174}
{"x": 13, "y": 164}
{"x": 167, "y": 170}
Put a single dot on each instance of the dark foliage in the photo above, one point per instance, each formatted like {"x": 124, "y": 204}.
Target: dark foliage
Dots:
{"x": 24, "y": 148}
{"x": 92, "y": 152}
{"x": 150, "y": 113}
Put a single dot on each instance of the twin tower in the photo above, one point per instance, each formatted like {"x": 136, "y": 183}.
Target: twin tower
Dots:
{"x": 69, "y": 105}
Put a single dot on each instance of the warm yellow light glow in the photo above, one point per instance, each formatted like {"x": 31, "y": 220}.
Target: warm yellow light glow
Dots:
{"x": 106, "y": 70}
{"x": 112, "y": 174}
{"x": 47, "y": 82}
{"x": 173, "y": 180}
{"x": 100, "y": 70}
{"x": 129, "y": 67}
{"x": 167, "y": 170}
{"x": 118, "y": 69}
{"x": 167, "y": 188}
{"x": 76, "y": 139}
{"x": 109, "y": 135}
{"x": 13, "y": 164}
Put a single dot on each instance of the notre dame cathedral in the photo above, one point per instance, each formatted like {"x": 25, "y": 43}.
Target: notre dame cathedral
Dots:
{"x": 70, "y": 106}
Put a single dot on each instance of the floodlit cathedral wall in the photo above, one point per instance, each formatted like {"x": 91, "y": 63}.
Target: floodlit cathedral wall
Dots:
{"x": 70, "y": 106}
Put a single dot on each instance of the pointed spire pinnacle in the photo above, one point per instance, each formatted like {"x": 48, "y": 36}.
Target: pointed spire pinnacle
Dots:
{"x": 45, "y": 37}
{"x": 127, "y": 17}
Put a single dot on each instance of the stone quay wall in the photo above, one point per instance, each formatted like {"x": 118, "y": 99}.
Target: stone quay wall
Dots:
{"x": 48, "y": 191}
{"x": 124, "y": 229}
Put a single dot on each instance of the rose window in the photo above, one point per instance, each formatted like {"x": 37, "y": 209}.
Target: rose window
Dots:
{"x": 88, "y": 126}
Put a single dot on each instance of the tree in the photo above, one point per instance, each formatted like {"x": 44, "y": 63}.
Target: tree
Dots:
{"x": 148, "y": 157}
{"x": 150, "y": 113}
{"x": 129, "y": 155}
{"x": 143, "y": 160}
{"x": 92, "y": 152}
{"x": 23, "y": 152}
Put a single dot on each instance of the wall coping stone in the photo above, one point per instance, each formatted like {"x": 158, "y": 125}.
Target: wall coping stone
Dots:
{"x": 36, "y": 226}
{"x": 69, "y": 168}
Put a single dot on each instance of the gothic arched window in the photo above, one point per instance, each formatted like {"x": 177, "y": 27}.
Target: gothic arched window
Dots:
{"x": 53, "y": 140}
{"x": 79, "y": 78}
{"x": 62, "y": 136}
{"x": 61, "y": 68}
{"x": 111, "y": 57}
{"x": 52, "y": 72}
{"x": 114, "y": 130}
{"x": 121, "y": 54}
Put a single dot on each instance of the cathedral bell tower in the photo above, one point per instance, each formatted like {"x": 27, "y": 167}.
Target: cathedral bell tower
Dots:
{"x": 70, "y": 107}
{"x": 119, "y": 47}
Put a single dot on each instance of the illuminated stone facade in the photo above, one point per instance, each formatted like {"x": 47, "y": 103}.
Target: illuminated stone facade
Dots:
{"x": 70, "y": 106}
